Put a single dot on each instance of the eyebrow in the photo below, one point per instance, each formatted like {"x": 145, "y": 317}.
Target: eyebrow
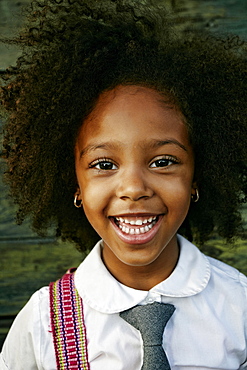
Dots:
{"x": 116, "y": 145}
{"x": 159, "y": 143}
{"x": 92, "y": 148}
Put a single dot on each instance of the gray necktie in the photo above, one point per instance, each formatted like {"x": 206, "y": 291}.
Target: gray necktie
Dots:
{"x": 151, "y": 320}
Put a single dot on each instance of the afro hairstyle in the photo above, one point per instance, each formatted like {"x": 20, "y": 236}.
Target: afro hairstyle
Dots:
{"x": 74, "y": 50}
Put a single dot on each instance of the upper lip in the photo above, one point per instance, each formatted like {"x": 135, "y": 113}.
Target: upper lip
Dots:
{"x": 137, "y": 214}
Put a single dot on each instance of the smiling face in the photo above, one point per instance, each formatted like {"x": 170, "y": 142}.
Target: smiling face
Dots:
{"x": 135, "y": 166}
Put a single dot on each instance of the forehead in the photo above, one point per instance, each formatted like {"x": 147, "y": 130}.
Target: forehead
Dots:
{"x": 131, "y": 96}
{"x": 128, "y": 109}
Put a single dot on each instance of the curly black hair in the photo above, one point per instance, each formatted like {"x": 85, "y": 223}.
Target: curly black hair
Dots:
{"x": 74, "y": 50}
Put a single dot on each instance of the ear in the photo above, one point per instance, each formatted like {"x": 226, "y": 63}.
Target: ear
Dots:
{"x": 78, "y": 193}
{"x": 77, "y": 198}
{"x": 194, "y": 192}
{"x": 193, "y": 188}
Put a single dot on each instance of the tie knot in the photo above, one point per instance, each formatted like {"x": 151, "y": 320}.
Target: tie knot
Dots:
{"x": 150, "y": 320}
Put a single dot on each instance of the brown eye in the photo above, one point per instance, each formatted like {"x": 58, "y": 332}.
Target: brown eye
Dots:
{"x": 163, "y": 162}
{"x": 104, "y": 165}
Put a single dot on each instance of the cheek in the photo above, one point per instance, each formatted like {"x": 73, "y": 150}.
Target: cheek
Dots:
{"x": 178, "y": 196}
{"x": 94, "y": 201}
{"x": 178, "y": 188}
{"x": 89, "y": 189}
{"x": 93, "y": 214}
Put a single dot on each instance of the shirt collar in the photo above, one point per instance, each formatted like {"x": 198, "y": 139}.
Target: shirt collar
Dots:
{"x": 102, "y": 292}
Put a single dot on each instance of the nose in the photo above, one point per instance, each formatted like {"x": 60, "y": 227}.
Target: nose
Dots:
{"x": 133, "y": 185}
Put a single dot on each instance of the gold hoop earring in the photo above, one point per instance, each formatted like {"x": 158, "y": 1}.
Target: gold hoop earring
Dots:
{"x": 77, "y": 203}
{"x": 195, "y": 197}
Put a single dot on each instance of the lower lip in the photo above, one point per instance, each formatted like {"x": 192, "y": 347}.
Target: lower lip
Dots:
{"x": 137, "y": 238}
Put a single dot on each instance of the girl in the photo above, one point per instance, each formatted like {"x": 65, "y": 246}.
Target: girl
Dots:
{"x": 120, "y": 129}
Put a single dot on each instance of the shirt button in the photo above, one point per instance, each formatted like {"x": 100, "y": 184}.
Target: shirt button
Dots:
{"x": 149, "y": 300}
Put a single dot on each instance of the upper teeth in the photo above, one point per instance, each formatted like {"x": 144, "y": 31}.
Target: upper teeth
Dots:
{"x": 137, "y": 222}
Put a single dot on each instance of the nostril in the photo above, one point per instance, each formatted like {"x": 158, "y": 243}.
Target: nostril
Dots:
{"x": 134, "y": 186}
{"x": 134, "y": 197}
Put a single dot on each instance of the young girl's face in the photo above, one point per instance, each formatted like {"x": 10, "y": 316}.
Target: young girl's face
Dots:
{"x": 135, "y": 166}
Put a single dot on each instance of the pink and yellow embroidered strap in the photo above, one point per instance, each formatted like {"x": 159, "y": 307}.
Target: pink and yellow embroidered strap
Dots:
{"x": 67, "y": 322}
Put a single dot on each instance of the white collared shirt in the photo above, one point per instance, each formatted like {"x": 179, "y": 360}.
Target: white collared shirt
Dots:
{"x": 208, "y": 329}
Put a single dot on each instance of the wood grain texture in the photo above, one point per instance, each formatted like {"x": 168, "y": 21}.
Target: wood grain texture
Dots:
{"x": 28, "y": 262}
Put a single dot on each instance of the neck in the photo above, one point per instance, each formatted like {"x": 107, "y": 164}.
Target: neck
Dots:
{"x": 142, "y": 277}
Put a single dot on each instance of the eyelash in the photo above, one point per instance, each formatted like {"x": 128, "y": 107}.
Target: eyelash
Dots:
{"x": 101, "y": 161}
{"x": 166, "y": 158}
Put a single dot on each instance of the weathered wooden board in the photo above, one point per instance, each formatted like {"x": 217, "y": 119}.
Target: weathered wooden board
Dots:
{"x": 28, "y": 262}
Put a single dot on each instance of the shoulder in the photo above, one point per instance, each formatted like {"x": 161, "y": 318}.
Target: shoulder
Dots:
{"x": 35, "y": 310}
{"x": 29, "y": 333}
{"x": 212, "y": 274}
{"x": 229, "y": 281}
{"x": 225, "y": 271}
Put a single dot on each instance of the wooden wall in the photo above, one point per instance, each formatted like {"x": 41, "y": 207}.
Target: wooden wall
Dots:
{"x": 28, "y": 262}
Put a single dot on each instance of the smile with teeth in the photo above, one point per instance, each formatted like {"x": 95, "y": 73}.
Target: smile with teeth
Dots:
{"x": 136, "y": 225}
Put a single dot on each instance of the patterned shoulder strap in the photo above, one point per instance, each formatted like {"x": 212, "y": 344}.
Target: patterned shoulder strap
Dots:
{"x": 67, "y": 322}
